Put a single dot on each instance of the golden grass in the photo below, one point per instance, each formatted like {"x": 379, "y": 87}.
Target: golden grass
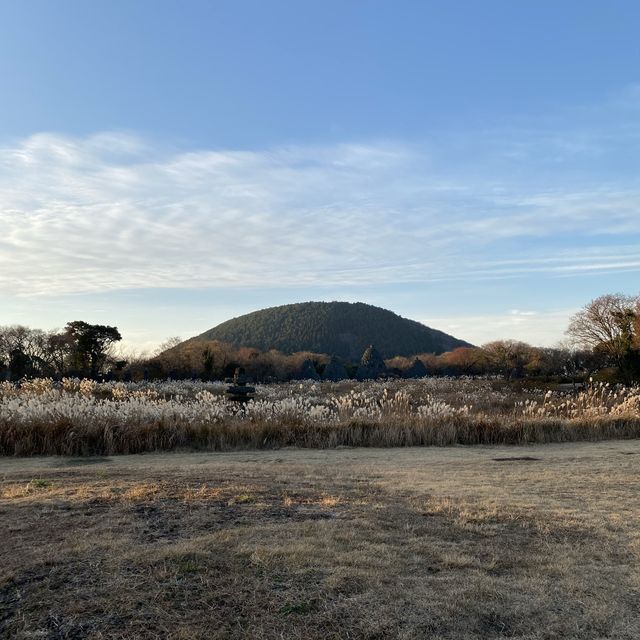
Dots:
{"x": 39, "y": 418}
{"x": 459, "y": 542}
{"x": 69, "y": 440}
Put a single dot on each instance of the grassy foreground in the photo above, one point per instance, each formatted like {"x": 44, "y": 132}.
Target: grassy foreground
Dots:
{"x": 486, "y": 542}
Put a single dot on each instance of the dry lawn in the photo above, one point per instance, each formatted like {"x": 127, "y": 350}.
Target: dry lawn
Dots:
{"x": 485, "y": 542}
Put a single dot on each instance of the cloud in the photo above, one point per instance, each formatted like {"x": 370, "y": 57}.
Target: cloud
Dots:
{"x": 534, "y": 327}
{"x": 115, "y": 211}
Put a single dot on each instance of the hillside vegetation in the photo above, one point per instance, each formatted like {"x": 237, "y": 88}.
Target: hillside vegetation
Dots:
{"x": 343, "y": 329}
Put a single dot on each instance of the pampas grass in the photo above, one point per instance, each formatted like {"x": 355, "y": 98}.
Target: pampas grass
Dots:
{"x": 81, "y": 417}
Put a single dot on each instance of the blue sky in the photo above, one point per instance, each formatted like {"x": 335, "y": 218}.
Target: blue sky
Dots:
{"x": 167, "y": 165}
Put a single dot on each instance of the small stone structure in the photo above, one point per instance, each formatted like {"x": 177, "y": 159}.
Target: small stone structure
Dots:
{"x": 372, "y": 365}
{"x": 416, "y": 370}
{"x": 307, "y": 371}
{"x": 239, "y": 391}
{"x": 334, "y": 371}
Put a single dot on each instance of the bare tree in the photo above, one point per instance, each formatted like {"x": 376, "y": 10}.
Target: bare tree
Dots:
{"x": 26, "y": 352}
{"x": 507, "y": 357}
{"x": 169, "y": 343}
{"x": 607, "y": 324}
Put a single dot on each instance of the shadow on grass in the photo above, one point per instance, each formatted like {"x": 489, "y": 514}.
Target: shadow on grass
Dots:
{"x": 79, "y": 462}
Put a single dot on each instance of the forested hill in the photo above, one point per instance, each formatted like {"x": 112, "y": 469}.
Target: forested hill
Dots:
{"x": 343, "y": 329}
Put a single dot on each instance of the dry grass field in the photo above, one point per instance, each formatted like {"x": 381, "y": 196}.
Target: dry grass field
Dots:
{"x": 486, "y": 542}
{"x": 81, "y": 417}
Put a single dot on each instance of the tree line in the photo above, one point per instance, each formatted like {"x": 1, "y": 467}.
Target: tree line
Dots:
{"x": 81, "y": 349}
{"x": 604, "y": 340}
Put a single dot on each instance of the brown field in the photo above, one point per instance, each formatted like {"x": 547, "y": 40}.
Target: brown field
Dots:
{"x": 487, "y": 542}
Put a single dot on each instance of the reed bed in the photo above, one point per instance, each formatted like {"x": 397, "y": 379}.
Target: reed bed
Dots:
{"x": 81, "y": 417}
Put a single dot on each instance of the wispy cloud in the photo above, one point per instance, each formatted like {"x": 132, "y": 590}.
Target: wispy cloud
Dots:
{"x": 114, "y": 211}
{"x": 535, "y": 327}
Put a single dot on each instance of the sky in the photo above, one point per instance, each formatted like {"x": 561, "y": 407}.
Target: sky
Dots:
{"x": 167, "y": 165}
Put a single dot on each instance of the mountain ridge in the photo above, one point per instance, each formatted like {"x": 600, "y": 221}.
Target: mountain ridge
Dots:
{"x": 342, "y": 329}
